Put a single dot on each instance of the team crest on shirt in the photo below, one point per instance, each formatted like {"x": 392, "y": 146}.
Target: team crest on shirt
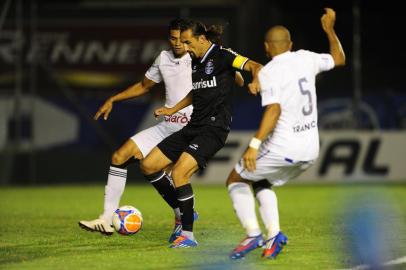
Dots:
{"x": 209, "y": 67}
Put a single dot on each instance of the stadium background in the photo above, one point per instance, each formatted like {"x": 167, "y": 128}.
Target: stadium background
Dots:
{"x": 61, "y": 59}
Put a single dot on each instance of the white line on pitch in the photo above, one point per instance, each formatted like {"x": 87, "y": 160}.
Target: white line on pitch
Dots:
{"x": 396, "y": 261}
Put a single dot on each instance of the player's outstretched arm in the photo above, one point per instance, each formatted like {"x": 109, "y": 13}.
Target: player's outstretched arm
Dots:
{"x": 186, "y": 101}
{"x": 268, "y": 123}
{"x": 135, "y": 90}
{"x": 254, "y": 68}
{"x": 336, "y": 50}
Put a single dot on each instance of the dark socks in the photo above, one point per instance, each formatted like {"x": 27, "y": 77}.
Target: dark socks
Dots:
{"x": 163, "y": 184}
{"x": 185, "y": 198}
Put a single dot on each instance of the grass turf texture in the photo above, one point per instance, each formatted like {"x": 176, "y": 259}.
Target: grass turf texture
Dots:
{"x": 38, "y": 229}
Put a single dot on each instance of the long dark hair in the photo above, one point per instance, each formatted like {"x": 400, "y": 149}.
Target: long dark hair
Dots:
{"x": 213, "y": 33}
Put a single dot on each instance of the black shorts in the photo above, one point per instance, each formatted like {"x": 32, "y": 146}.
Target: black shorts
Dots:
{"x": 200, "y": 142}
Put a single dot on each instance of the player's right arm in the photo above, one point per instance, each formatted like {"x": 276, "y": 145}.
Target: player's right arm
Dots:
{"x": 133, "y": 91}
{"x": 336, "y": 50}
{"x": 269, "y": 120}
{"x": 186, "y": 101}
{"x": 270, "y": 97}
{"x": 239, "y": 79}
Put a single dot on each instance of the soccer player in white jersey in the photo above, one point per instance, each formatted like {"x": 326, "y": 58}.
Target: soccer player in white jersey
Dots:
{"x": 287, "y": 141}
{"x": 173, "y": 67}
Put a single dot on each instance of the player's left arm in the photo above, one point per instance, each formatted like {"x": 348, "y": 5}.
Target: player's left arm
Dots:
{"x": 268, "y": 122}
{"x": 336, "y": 50}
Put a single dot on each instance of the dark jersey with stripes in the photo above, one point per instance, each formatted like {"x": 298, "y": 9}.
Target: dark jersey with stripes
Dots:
{"x": 213, "y": 77}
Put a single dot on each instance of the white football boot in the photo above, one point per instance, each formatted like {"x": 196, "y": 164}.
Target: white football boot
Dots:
{"x": 97, "y": 225}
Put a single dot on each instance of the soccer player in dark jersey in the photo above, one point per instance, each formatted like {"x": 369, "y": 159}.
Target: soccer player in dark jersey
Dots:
{"x": 213, "y": 69}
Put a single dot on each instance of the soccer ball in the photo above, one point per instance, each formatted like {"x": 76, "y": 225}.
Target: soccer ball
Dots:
{"x": 127, "y": 220}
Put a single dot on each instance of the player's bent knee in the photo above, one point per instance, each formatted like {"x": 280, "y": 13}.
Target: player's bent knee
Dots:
{"x": 179, "y": 174}
{"x": 180, "y": 177}
{"x": 118, "y": 159}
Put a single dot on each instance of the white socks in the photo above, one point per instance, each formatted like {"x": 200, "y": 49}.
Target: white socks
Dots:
{"x": 113, "y": 191}
{"x": 188, "y": 235}
{"x": 268, "y": 208}
{"x": 244, "y": 205}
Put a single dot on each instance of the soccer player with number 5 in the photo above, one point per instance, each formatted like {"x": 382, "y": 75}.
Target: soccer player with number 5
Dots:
{"x": 287, "y": 141}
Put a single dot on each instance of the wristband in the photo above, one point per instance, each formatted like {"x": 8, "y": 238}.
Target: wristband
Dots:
{"x": 255, "y": 143}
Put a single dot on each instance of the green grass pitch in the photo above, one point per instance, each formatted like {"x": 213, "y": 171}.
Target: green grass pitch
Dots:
{"x": 38, "y": 228}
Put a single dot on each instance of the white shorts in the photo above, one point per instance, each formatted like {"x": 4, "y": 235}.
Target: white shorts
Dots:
{"x": 278, "y": 170}
{"x": 147, "y": 139}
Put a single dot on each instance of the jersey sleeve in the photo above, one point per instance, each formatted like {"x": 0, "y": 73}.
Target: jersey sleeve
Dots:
{"x": 153, "y": 73}
{"x": 270, "y": 88}
{"x": 322, "y": 61}
{"x": 234, "y": 59}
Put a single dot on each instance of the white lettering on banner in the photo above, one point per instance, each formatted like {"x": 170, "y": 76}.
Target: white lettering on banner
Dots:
{"x": 64, "y": 51}
{"x": 205, "y": 84}
{"x": 97, "y": 50}
{"x": 150, "y": 48}
{"x": 57, "y": 47}
{"x": 345, "y": 156}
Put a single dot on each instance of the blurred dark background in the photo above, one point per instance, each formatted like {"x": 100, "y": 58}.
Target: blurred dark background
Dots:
{"x": 61, "y": 59}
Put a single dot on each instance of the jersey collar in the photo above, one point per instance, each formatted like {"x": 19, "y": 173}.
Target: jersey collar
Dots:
{"x": 282, "y": 55}
{"x": 207, "y": 52}
{"x": 174, "y": 58}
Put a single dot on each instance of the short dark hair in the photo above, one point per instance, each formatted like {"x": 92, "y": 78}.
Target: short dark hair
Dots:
{"x": 175, "y": 24}
{"x": 213, "y": 33}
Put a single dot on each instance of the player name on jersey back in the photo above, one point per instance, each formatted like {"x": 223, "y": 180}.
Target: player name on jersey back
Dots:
{"x": 304, "y": 127}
